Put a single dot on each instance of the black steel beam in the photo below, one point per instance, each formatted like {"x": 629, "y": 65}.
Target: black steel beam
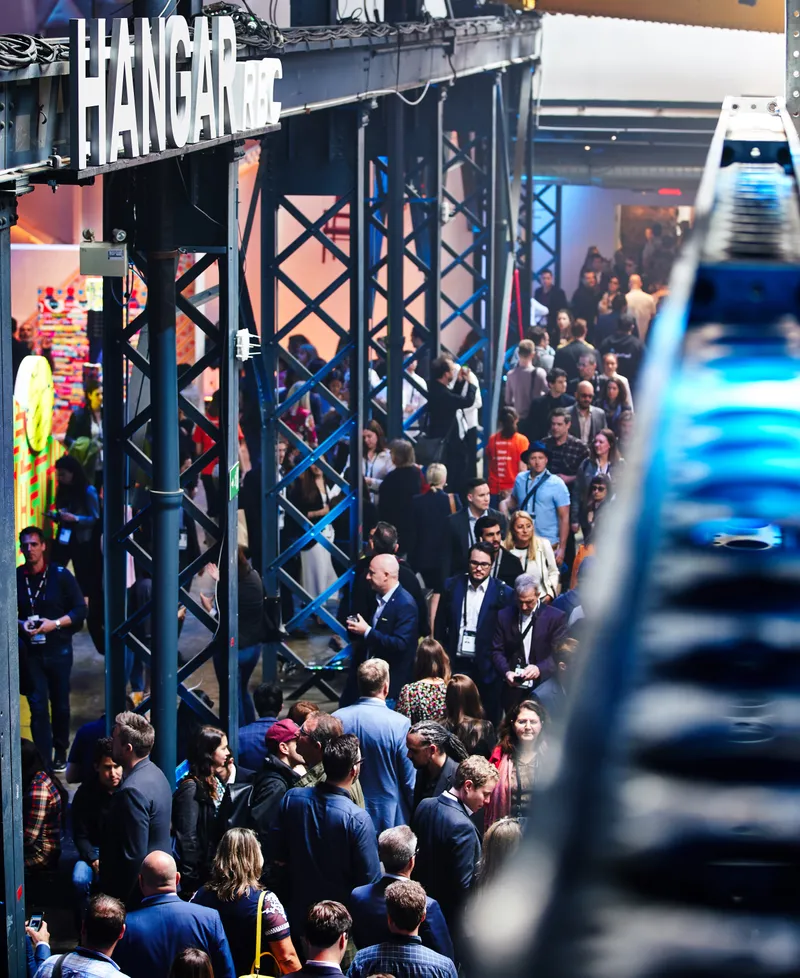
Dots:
{"x": 317, "y": 73}
{"x": 12, "y": 870}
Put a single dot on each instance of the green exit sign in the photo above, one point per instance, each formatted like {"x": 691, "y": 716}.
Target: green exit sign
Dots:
{"x": 233, "y": 482}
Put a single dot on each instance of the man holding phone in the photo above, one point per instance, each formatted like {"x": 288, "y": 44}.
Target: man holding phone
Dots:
{"x": 50, "y": 607}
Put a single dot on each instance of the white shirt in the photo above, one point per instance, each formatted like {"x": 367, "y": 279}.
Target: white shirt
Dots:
{"x": 383, "y": 600}
{"x": 468, "y": 418}
{"x": 471, "y": 609}
{"x": 413, "y": 399}
{"x": 526, "y": 641}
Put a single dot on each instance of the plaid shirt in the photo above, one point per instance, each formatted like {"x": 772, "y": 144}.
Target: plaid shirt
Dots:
{"x": 565, "y": 459}
{"x": 41, "y": 834}
{"x": 403, "y": 957}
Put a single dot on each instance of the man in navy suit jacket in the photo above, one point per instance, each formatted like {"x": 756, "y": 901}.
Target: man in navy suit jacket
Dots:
{"x": 466, "y": 620}
{"x": 526, "y": 636}
{"x": 327, "y": 928}
{"x": 397, "y": 849}
{"x": 462, "y": 525}
{"x": 165, "y": 925}
{"x": 449, "y": 844}
{"x": 393, "y": 632}
{"x": 139, "y": 819}
{"x": 387, "y": 775}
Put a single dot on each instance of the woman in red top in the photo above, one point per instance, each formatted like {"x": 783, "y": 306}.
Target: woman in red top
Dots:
{"x": 504, "y": 453}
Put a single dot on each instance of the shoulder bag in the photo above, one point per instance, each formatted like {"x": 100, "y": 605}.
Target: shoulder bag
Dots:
{"x": 533, "y": 492}
{"x": 428, "y": 450}
{"x": 256, "y": 968}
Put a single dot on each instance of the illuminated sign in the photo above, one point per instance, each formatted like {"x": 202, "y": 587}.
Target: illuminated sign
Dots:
{"x": 163, "y": 88}
{"x": 34, "y": 391}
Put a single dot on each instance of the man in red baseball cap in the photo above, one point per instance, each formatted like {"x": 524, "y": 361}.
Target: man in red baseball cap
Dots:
{"x": 283, "y": 767}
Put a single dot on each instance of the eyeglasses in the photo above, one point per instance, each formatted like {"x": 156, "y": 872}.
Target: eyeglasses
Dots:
{"x": 598, "y": 488}
{"x": 479, "y": 563}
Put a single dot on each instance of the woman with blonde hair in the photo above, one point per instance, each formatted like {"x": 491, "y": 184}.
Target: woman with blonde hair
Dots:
{"x": 235, "y": 891}
{"x": 431, "y": 511}
{"x": 423, "y": 699}
{"x": 534, "y": 552}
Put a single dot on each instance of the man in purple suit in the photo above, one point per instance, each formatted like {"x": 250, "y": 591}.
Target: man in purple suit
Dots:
{"x": 525, "y": 637}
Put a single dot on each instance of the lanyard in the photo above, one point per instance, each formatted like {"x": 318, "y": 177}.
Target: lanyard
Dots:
{"x": 33, "y": 598}
{"x": 369, "y": 467}
{"x": 476, "y": 592}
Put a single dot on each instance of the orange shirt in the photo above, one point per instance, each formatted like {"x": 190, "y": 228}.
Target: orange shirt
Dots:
{"x": 504, "y": 458}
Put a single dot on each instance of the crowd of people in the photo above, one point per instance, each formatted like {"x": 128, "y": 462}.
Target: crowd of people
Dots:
{"x": 351, "y": 841}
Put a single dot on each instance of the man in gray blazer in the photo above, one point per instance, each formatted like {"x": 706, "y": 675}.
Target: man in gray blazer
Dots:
{"x": 387, "y": 776}
{"x": 586, "y": 420}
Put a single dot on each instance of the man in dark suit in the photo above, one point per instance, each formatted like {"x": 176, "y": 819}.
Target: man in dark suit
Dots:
{"x": 525, "y": 638}
{"x": 555, "y": 298}
{"x": 139, "y": 819}
{"x": 587, "y": 421}
{"x": 165, "y": 925}
{"x": 568, "y": 356}
{"x": 391, "y": 634}
{"x": 537, "y": 424}
{"x": 449, "y": 843}
{"x": 436, "y": 753}
{"x": 327, "y": 928}
{"x": 505, "y": 566}
{"x": 444, "y": 403}
{"x": 466, "y": 620}
{"x": 360, "y": 598}
{"x": 462, "y": 525}
{"x": 397, "y": 849}
{"x": 327, "y": 843}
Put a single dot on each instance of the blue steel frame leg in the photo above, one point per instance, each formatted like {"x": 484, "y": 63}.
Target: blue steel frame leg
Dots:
{"x": 12, "y": 868}
{"x": 395, "y": 244}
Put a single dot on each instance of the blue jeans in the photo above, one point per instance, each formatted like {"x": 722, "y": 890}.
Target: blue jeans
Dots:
{"x": 50, "y": 671}
{"x": 248, "y": 658}
{"x": 82, "y": 879}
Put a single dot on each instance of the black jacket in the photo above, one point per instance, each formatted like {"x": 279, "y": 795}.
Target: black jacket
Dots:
{"x": 138, "y": 824}
{"x": 196, "y": 829}
{"x": 90, "y": 808}
{"x": 250, "y": 609}
{"x": 567, "y": 357}
{"x": 269, "y": 786}
{"x": 555, "y": 300}
{"x": 60, "y": 596}
{"x": 395, "y": 504}
{"x": 510, "y": 568}
{"x": 456, "y": 554}
{"x": 444, "y": 404}
{"x": 584, "y": 304}
{"x": 427, "y": 787}
{"x": 629, "y": 352}
{"x": 537, "y": 425}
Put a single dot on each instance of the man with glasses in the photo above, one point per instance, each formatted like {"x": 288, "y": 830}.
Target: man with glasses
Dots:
{"x": 327, "y": 844}
{"x": 465, "y": 622}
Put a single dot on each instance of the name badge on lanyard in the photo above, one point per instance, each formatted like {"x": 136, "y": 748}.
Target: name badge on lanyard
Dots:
{"x": 467, "y": 646}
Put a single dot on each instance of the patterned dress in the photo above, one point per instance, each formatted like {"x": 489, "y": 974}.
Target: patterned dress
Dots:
{"x": 422, "y": 700}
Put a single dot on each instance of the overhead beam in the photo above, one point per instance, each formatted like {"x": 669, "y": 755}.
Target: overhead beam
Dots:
{"x": 765, "y": 15}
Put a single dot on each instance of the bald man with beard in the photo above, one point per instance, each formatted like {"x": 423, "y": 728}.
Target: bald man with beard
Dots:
{"x": 165, "y": 925}
{"x": 392, "y": 634}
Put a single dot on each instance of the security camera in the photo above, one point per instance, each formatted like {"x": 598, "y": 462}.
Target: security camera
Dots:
{"x": 119, "y": 235}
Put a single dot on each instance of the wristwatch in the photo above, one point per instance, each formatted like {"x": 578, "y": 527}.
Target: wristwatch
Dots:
{"x": 58, "y": 623}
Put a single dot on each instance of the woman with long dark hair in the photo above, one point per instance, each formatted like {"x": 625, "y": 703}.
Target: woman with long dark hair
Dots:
{"x": 466, "y": 718}
{"x": 397, "y": 491}
{"x": 76, "y": 515}
{"x": 195, "y": 806}
{"x": 431, "y": 512}
{"x": 604, "y": 459}
{"x": 614, "y": 403}
{"x": 376, "y": 460}
{"x": 423, "y": 699}
{"x": 44, "y": 807}
{"x": 517, "y": 758}
{"x": 500, "y": 842}
{"x": 564, "y": 322}
{"x": 235, "y": 891}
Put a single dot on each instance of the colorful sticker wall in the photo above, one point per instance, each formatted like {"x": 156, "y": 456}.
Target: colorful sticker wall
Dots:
{"x": 34, "y": 477}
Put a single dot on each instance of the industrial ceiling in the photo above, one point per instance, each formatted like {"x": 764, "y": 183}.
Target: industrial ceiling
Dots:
{"x": 753, "y": 15}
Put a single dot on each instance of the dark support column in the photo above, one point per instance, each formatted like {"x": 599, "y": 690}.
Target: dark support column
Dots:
{"x": 115, "y": 458}
{"x": 156, "y": 200}
{"x": 395, "y": 262}
{"x": 229, "y": 453}
{"x": 493, "y": 171}
{"x": 12, "y": 942}
{"x": 433, "y": 293}
{"x": 527, "y": 271}
{"x": 358, "y": 321}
